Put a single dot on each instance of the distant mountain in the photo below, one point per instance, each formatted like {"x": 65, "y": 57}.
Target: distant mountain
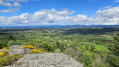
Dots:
{"x": 59, "y": 26}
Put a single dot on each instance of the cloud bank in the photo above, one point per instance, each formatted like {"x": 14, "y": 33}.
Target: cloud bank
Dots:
{"x": 108, "y": 16}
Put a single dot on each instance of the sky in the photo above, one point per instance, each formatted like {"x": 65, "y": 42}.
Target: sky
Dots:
{"x": 58, "y": 12}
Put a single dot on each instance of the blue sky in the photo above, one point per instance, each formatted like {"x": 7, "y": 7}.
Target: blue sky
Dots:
{"x": 59, "y": 12}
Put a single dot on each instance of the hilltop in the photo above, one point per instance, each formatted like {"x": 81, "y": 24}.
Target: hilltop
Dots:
{"x": 40, "y": 59}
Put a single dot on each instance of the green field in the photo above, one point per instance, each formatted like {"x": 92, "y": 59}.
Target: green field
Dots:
{"x": 94, "y": 47}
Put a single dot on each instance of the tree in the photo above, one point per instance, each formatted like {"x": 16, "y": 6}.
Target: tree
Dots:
{"x": 57, "y": 44}
{"x": 116, "y": 37}
{"x": 60, "y": 46}
{"x": 11, "y": 37}
{"x": 114, "y": 58}
{"x": 116, "y": 46}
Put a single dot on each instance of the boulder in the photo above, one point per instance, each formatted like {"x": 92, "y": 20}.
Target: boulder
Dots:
{"x": 3, "y": 50}
{"x": 47, "y": 60}
{"x": 17, "y": 49}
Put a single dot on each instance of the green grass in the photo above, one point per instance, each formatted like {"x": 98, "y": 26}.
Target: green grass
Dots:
{"x": 101, "y": 48}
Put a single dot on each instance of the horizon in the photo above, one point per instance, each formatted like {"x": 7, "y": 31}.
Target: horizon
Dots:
{"x": 58, "y": 12}
{"x": 60, "y": 26}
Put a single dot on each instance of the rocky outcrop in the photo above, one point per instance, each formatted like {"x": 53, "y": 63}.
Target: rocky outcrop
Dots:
{"x": 3, "y": 50}
{"x": 17, "y": 49}
{"x": 42, "y": 60}
{"x": 47, "y": 60}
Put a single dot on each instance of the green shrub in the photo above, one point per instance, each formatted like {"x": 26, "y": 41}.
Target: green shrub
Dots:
{"x": 74, "y": 53}
{"x": 12, "y": 42}
{"x": 60, "y": 46}
{"x": 8, "y": 60}
{"x": 57, "y": 51}
{"x": 11, "y": 37}
{"x": 88, "y": 57}
{"x": 46, "y": 46}
{"x": 100, "y": 62}
{"x": 114, "y": 60}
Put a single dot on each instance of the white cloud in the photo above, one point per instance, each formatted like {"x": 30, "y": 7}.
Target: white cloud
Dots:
{"x": 108, "y": 16}
{"x": 117, "y": 1}
{"x": 6, "y": 11}
{"x": 5, "y": 3}
{"x": 11, "y": 10}
{"x": 35, "y": 0}
{"x": 65, "y": 13}
{"x": 21, "y": 0}
{"x": 47, "y": 16}
{"x": 51, "y": 15}
{"x": 11, "y": 3}
{"x": 112, "y": 12}
{"x": 108, "y": 7}
{"x": 17, "y": 4}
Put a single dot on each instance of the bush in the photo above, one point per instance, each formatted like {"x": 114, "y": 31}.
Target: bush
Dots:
{"x": 74, "y": 53}
{"x": 36, "y": 51}
{"x": 57, "y": 51}
{"x": 114, "y": 60}
{"x": 88, "y": 57}
{"x": 12, "y": 42}
{"x": 47, "y": 47}
{"x": 2, "y": 54}
{"x": 8, "y": 60}
{"x": 60, "y": 46}
{"x": 28, "y": 46}
{"x": 100, "y": 62}
{"x": 40, "y": 50}
{"x": 3, "y": 48}
{"x": 11, "y": 37}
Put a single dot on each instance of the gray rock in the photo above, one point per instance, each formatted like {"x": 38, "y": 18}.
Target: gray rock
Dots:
{"x": 3, "y": 50}
{"x": 17, "y": 49}
{"x": 48, "y": 60}
{"x": 15, "y": 66}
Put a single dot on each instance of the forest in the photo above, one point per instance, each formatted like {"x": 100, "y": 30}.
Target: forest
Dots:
{"x": 91, "y": 46}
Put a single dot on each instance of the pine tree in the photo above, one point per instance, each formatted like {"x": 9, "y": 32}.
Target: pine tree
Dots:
{"x": 11, "y": 37}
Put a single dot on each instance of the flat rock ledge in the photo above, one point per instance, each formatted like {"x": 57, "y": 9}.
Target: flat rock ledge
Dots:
{"x": 17, "y": 49}
{"x": 47, "y": 60}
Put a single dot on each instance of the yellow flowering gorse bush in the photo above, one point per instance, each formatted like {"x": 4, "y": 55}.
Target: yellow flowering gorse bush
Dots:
{"x": 28, "y": 46}
{"x": 4, "y": 53}
{"x": 3, "y": 48}
{"x": 36, "y": 51}
{"x": 40, "y": 50}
